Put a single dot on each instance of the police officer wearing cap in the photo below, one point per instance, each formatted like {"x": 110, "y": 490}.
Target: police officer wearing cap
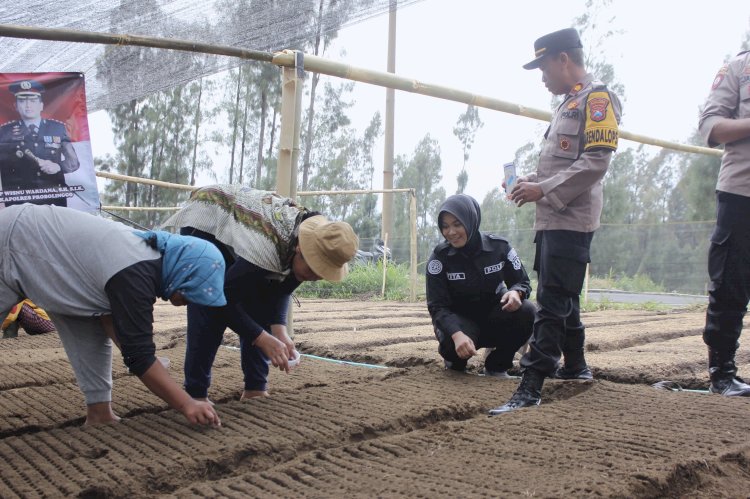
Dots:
{"x": 725, "y": 120}
{"x": 35, "y": 152}
{"x": 567, "y": 190}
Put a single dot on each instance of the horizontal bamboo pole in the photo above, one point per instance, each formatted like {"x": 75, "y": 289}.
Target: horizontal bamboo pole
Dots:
{"x": 139, "y": 180}
{"x": 170, "y": 185}
{"x": 324, "y": 66}
{"x": 355, "y": 191}
{"x": 389, "y": 80}
{"x": 71, "y": 35}
{"x": 140, "y": 208}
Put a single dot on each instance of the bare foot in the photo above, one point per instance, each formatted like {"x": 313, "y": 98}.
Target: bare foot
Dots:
{"x": 252, "y": 394}
{"x": 100, "y": 413}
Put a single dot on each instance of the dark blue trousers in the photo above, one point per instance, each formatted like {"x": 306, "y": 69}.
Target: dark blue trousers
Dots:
{"x": 206, "y": 326}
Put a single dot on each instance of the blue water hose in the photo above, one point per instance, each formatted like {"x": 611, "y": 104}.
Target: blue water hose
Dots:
{"x": 335, "y": 361}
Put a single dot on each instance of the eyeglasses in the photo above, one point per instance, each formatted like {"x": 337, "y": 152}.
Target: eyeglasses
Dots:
{"x": 28, "y": 98}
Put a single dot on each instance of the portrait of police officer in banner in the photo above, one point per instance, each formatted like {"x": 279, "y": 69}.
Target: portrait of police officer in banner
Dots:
{"x": 38, "y": 157}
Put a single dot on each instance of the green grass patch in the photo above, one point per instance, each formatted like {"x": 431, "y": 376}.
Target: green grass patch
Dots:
{"x": 637, "y": 283}
{"x": 365, "y": 281}
{"x": 606, "y": 304}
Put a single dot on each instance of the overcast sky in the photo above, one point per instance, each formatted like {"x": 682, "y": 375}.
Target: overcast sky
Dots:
{"x": 666, "y": 57}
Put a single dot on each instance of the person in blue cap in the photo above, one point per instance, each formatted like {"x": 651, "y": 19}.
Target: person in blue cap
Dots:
{"x": 567, "y": 189}
{"x": 35, "y": 152}
{"x": 97, "y": 280}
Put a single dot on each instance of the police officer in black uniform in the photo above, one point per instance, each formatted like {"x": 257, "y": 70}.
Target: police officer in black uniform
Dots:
{"x": 477, "y": 290}
{"x": 35, "y": 152}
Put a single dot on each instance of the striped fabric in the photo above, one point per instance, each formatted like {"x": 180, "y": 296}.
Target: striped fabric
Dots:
{"x": 258, "y": 226}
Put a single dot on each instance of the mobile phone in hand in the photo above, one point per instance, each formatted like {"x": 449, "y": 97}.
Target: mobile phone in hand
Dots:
{"x": 509, "y": 169}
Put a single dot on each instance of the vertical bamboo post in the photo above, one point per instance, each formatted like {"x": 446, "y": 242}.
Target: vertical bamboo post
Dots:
{"x": 291, "y": 115}
{"x": 586, "y": 285}
{"x": 390, "y": 107}
{"x": 292, "y": 81}
{"x": 413, "y": 243}
{"x": 385, "y": 263}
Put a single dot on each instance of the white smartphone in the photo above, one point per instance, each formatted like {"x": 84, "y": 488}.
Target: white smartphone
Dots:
{"x": 509, "y": 169}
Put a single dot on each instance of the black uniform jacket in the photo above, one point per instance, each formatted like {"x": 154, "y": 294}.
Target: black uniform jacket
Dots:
{"x": 470, "y": 286}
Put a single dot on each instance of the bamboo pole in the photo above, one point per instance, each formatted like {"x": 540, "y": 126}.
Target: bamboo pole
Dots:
{"x": 383, "y": 79}
{"x": 140, "y": 208}
{"x": 390, "y": 113}
{"x": 413, "y": 243}
{"x": 586, "y": 285}
{"x": 72, "y": 35}
{"x": 324, "y": 66}
{"x": 352, "y": 191}
{"x": 291, "y": 115}
{"x": 385, "y": 263}
{"x": 139, "y": 180}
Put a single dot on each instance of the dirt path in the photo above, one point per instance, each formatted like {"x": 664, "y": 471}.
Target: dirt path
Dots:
{"x": 408, "y": 430}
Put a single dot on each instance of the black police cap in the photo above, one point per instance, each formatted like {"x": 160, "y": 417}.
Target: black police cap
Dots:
{"x": 26, "y": 87}
{"x": 554, "y": 43}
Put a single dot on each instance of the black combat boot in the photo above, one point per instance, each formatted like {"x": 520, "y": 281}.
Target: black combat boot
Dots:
{"x": 723, "y": 372}
{"x": 528, "y": 393}
{"x": 575, "y": 366}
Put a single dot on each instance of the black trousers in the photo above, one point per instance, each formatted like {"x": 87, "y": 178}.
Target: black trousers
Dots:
{"x": 560, "y": 262}
{"x": 729, "y": 271}
{"x": 504, "y": 331}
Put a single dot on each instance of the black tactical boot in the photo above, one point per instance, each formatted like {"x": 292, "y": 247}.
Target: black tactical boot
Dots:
{"x": 565, "y": 372}
{"x": 575, "y": 366}
{"x": 723, "y": 372}
{"x": 528, "y": 393}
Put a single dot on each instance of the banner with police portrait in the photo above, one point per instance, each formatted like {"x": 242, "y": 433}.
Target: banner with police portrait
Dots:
{"x": 45, "y": 148}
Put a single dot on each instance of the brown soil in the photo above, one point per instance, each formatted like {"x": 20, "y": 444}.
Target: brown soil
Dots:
{"x": 410, "y": 430}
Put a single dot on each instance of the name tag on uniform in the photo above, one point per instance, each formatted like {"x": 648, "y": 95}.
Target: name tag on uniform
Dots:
{"x": 456, "y": 276}
{"x": 494, "y": 268}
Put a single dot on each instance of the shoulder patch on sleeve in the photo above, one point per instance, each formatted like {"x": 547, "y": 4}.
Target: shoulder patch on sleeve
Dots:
{"x": 434, "y": 267}
{"x": 720, "y": 76}
{"x": 601, "y": 124}
{"x": 513, "y": 259}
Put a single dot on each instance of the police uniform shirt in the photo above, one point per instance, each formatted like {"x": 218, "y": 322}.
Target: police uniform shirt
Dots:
{"x": 575, "y": 156}
{"x": 471, "y": 286}
{"x": 730, "y": 99}
{"x": 19, "y": 170}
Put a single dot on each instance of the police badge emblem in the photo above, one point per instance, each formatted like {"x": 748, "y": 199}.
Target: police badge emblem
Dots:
{"x": 598, "y": 108}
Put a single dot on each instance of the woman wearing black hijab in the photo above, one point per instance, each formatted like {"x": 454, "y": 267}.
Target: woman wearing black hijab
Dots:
{"x": 477, "y": 290}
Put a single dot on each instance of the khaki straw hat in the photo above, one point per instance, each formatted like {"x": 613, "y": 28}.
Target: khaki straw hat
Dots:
{"x": 327, "y": 246}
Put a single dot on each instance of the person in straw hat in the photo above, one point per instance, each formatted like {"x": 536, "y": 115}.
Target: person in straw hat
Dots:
{"x": 270, "y": 245}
